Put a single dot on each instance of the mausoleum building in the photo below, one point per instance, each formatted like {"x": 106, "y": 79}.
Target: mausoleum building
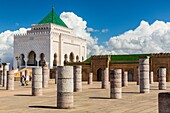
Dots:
{"x": 50, "y": 40}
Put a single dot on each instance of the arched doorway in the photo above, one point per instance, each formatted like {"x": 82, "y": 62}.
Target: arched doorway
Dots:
{"x": 42, "y": 59}
{"x": 55, "y": 59}
{"x": 71, "y": 57}
{"x": 65, "y": 59}
{"x": 77, "y": 58}
{"x": 130, "y": 75}
{"x": 99, "y": 74}
{"x": 32, "y": 59}
{"x": 22, "y": 61}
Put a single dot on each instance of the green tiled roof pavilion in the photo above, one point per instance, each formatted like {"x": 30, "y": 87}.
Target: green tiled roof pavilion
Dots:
{"x": 52, "y": 17}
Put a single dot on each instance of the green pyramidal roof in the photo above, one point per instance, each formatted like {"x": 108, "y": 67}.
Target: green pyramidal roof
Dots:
{"x": 52, "y": 17}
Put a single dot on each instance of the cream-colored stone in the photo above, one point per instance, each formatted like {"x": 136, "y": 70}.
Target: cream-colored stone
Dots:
{"x": 55, "y": 39}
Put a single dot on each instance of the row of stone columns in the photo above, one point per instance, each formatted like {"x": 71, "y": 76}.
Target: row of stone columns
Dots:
{"x": 69, "y": 80}
{"x": 105, "y": 78}
{"x": 6, "y": 77}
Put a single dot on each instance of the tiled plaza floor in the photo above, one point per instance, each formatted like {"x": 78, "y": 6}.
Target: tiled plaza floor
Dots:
{"x": 93, "y": 99}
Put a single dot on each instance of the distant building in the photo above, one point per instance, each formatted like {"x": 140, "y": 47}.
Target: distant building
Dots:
{"x": 130, "y": 63}
{"x": 50, "y": 40}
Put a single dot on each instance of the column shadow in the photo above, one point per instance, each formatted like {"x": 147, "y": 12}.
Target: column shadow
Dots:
{"x": 99, "y": 98}
{"x": 95, "y": 88}
{"x": 131, "y": 92}
{"x": 45, "y": 107}
{"x": 22, "y": 95}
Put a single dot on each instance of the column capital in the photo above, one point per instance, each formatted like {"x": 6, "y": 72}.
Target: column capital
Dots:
{"x": 5, "y": 64}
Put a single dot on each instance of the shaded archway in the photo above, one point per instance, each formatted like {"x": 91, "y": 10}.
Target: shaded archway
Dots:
{"x": 32, "y": 59}
{"x": 55, "y": 59}
{"x": 71, "y": 57}
{"x": 65, "y": 59}
{"x": 77, "y": 58}
{"x": 82, "y": 58}
{"x": 42, "y": 59}
{"x": 22, "y": 61}
{"x": 99, "y": 74}
{"x": 130, "y": 75}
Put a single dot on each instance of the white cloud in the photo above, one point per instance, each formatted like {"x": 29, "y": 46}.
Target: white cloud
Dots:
{"x": 17, "y": 24}
{"x": 6, "y": 45}
{"x": 105, "y": 30}
{"x": 79, "y": 27}
{"x": 92, "y": 30}
{"x": 144, "y": 39}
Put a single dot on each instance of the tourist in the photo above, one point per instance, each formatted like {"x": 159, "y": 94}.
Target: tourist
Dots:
{"x": 27, "y": 78}
{"x": 22, "y": 80}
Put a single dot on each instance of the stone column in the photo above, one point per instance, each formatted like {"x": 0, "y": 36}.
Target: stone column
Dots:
{"x": 116, "y": 84}
{"x": 25, "y": 63}
{"x": 105, "y": 78}
{"x": 144, "y": 74}
{"x": 162, "y": 78}
{"x": 138, "y": 75}
{"x": 151, "y": 77}
{"x": 45, "y": 76}
{"x": 1, "y": 74}
{"x": 65, "y": 87}
{"x": 27, "y": 72}
{"x": 77, "y": 78}
{"x": 37, "y": 81}
{"x": 10, "y": 80}
{"x": 164, "y": 102}
{"x": 125, "y": 79}
{"x": 56, "y": 74}
{"x": 90, "y": 78}
{"x": 5, "y": 69}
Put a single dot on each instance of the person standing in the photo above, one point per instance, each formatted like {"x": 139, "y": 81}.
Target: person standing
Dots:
{"x": 27, "y": 80}
{"x": 22, "y": 80}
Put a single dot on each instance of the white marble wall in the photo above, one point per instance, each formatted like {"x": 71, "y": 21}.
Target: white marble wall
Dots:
{"x": 49, "y": 40}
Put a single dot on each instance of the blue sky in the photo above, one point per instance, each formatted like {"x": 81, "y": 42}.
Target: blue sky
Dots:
{"x": 118, "y": 16}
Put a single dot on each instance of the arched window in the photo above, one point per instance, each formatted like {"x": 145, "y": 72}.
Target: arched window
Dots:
{"x": 42, "y": 59}
{"x": 32, "y": 59}
{"x": 71, "y": 57}
{"x": 77, "y": 58}
{"x": 82, "y": 58}
{"x": 55, "y": 60}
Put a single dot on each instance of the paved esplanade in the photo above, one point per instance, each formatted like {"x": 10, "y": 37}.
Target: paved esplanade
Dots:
{"x": 116, "y": 84}
{"x": 92, "y": 99}
{"x": 65, "y": 87}
{"x": 144, "y": 74}
{"x": 162, "y": 78}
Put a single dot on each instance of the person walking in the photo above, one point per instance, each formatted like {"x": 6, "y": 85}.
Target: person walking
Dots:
{"x": 22, "y": 80}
